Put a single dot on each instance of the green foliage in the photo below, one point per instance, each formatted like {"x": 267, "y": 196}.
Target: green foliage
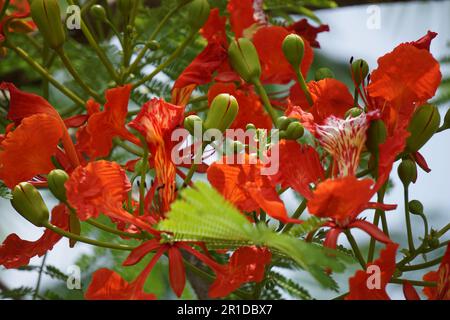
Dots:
{"x": 5, "y": 193}
{"x": 204, "y": 215}
{"x": 17, "y": 293}
{"x": 293, "y": 288}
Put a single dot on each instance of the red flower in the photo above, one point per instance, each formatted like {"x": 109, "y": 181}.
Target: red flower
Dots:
{"x": 101, "y": 187}
{"x": 250, "y": 107}
{"x": 247, "y": 264}
{"x": 442, "y": 279}
{"x": 308, "y": 32}
{"x": 275, "y": 68}
{"x": 244, "y": 186}
{"x": 108, "y": 285}
{"x": 372, "y": 286}
{"x": 241, "y": 16}
{"x": 15, "y": 252}
{"x": 39, "y": 128}
{"x": 17, "y": 10}
{"x": 95, "y": 139}
{"x": 156, "y": 122}
{"x": 330, "y": 98}
{"x": 300, "y": 167}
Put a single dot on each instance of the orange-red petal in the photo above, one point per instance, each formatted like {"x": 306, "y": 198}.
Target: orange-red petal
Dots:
{"x": 109, "y": 285}
{"x": 15, "y": 252}
{"x": 359, "y": 283}
{"x": 247, "y": 264}
{"x": 341, "y": 199}
{"x": 27, "y": 151}
{"x": 330, "y": 97}
{"x": 442, "y": 279}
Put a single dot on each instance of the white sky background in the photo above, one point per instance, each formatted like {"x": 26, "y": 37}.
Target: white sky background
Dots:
{"x": 349, "y": 36}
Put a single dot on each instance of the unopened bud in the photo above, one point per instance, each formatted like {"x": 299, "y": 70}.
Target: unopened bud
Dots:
{"x": 56, "y": 180}
{"x": 98, "y": 12}
{"x": 294, "y": 50}
{"x": 323, "y": 73}
{"x": 244, "y": 59}
{"x": 376, "y": 135}
{"x": 360, "y": 70}
{"x": 46, "y": 15}
{"x": 191, "y": 121}
{"x": 424, "y": 124}
{"x": 407, "y": 171}
{"x": 250, "y": 126}
{"x": 415, "y": 207}
{"x": 353, "y": 112}
{"x": 294, "y": 131}
{"x": 29, "y": 203}
{"x": 222, "y": 112}
{"x": 198, "y": 13}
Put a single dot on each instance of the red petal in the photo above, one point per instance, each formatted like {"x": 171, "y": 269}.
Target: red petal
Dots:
{"x": 371, "y": 229}
{"x": 199, "y": 72}
{"x": 141, "y": 251}
{"x": 409, "y": 291}
{"x": 307, "y": 31}
{"x": 27, "y": 151}
{"x": 241, "y": 16}
{"x": 15, "y": 252}
{"x": 109, "y": 285}
{"x": 420, "y": 160}
{"x": 214, "y": 28}
{"x": 359, "y": 289}
{"x": 425, "y": 41}
{"x": 176, "y": 271}
{"x": 23, "y": 104}
{"x": 247, "y": 264}
{"x": 332, "y": 238}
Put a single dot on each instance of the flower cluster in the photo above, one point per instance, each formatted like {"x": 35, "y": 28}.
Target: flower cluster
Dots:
{"x": 336, "y": 151}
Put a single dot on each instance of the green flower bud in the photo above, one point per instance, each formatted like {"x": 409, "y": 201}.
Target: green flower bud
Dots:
{"x": 424, "y": 124}
{"x": 250, "y": 126}
{"x": 98, "y": 12}
{"x": 222, "y": 112}
{"x": 353, "y": 112}
{"x": 323, "y": 73}
{"x": 376, "y": 135}
{"x": 190, "y": 121}
{"x": 283, "y": 122}
{"x": 56, "y": 180}
{"x": 407, "y": 171}
{"x": 415, "y": 207}
{"x": 433, "y": 242}
{"x": 294, "y": 50}
{"x": 360, "y": 70}
{"x": 46, "y": 15}
{"x": 153, "y": 45}
{"x": 198, "y": 13}
{"x": 294, "y": 131}
{"x": 446, "y": 124}
{"x": 29, "y": 203}
{"x": 244, "y": 59}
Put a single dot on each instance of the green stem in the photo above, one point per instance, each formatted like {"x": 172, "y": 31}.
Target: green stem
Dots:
{"x": 69, "y": 66}
{"x": 114, "y": 231}
{"x": 304, "y": 87}
{"x": 408, "y": 221}
{"x": 376, "y": 219}
{"x": 169, "y": 60}
{"x": 298, "y": 212}
{"x": 443, "y": 230}
{"x": 67, "y": 92}
{"x": 93, "y": 242}
{"x": 100, "y": 53}
{"x": 39, "y": 280}
{"x": 421, "y": 266}
{"x": 4, "y": 8}
{"x": 193, "y": 167}
{"x": 152, "y": 37}
{"x": 355, "y": 249}
{"x": 128, "y": 147}
{"x": 265, "y": 100}
{"x": 414, "y": 282}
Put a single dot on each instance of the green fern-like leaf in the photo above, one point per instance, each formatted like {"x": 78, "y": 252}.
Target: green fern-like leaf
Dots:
{"x": 290, "y": 286}
{"x": 202, "y": 214}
